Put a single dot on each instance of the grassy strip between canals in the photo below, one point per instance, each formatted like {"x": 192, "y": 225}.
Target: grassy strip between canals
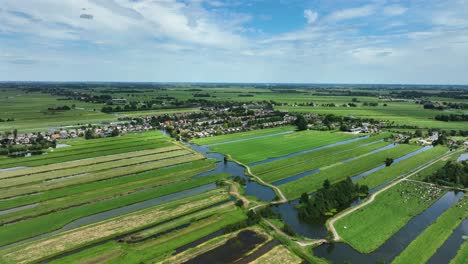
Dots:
{"x": 433, "y": 237}
{"x": 132, "y": 181}
{"x": 157, "y": 249}
{"x": 32, "y": 227}
{"x": 319, "y": 161}
{"x": 271, "y": 167}
{"x": 50, "y": 158}
{"x": 85, "y": 162}
{"x": 405, "y": 166}
{"x": 88, "y": 149}
{"x": 369, "y": 227}
{"x": 48, "y": 247}
{"x": 340, "y": 171}
{"x": 100, "y": 194}
{"x": 279, "y": 145}
{"x": 62, "y": 174}
{"x": 242, "y": 135}
{"x": 97, "y": 176}
{"x": 462, "y": 254}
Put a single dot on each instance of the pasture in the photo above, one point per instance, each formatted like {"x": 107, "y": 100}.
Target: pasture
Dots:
{"x": 369, "y": 227}
{"x": 279, "y": 145}
{"x": 340, "y": 171}
{"x": 242, "y": 135}
{"x": 427, "y": 243}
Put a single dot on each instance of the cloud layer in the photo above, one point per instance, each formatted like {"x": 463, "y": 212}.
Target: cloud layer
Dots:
{"x": 234, "y": 41}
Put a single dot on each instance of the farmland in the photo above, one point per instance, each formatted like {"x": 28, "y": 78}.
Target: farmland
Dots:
{"x": 426, "y": 244}
{"x": 340, "y": 171}
{"x": 280, "y": 145}
{"x": 390, "y": 212}
{"x": 195, "y": 172}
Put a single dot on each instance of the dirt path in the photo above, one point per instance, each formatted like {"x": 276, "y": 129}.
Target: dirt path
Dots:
{"x": 331, "y": 222}
{"x": 235, "y": 192}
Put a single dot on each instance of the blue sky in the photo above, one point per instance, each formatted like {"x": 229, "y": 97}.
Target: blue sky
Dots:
{"x": 299, "y": 41}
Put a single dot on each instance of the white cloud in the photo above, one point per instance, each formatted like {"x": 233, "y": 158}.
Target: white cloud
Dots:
{"x": 310, "y": 16}
{"x": 394, "y": 10}
{"x": 351, "y": 13}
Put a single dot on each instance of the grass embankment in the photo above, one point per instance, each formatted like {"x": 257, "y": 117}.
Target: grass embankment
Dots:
{"x": 462, "y": 255}
{"x": 433, "y": 237}
{"x": 279, "y": 145}
{"x": 284, "y": 168}
{"x": 403, "y": 167}
{"x": 279, "y": 254}
{"x": 131, "y": 182}
{"x": 42, "y": 224}
{"x": 79, "y": 237}
{"x": 242, "y": 135}
{"x": 369, "y": 227}
{"x": 338, "y": 172}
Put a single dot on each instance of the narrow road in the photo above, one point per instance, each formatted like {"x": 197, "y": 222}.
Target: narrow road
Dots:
{"x": 331, "y": 222}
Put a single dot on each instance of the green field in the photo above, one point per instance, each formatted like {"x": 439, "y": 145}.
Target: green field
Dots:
{"x": 30, "y": 112}
{"x": 410, "y": 114}
{"x": 110, "y": 228}
{"x": 433, "y": 237}
{"x": 401, "y": 168}
{"x": 280, "y": 169}
{"x": 280, "y": 145}
{"x": 369, "y": 227}
{"x": 340, "y": 171}
{"x": 462, "y": 255}
{"x": 242, "y": 135}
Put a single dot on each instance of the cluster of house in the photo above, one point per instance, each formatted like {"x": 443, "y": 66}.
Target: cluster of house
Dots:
{"x": 224, "y": 124}
{"x": 429, "y": 139}
{"x": 364, "y": 128}
{"x": 103, "y": 131}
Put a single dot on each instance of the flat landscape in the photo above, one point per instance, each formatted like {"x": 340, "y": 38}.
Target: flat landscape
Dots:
{"x": 265, "y": 177}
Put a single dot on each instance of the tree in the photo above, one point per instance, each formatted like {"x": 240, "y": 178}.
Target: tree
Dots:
{"x": 115, "y": 132}
{"x": 418, "y": 133}
{"x": 326, "y": 184}
{"x": 388, "y": 162}
{"x": 15, "y": 133}
{"x": 301, "y": 122}
{"x": 89, "y": 134}
{"x": 239, "y": 203}
{"x": 288, "y": 230}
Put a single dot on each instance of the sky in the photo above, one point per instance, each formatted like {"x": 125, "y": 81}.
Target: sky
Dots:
{"x": 246, "y": 41}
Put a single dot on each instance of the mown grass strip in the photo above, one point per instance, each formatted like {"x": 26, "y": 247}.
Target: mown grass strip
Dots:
{"x": 91, "y": 153}
{"x": 99, "y": 194}
{"x": 433, "y": 237}
{"x": 311, "y": 183}
{"x": 63, "y": 174}
{"x": 387, "y": 214}
{"x": 97, "y": 176}
{"x": 43, "y": 224}
{"x": 110, "y": 228}
{"x": 85, "y": 162}
{"x": 130, "y": 180}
